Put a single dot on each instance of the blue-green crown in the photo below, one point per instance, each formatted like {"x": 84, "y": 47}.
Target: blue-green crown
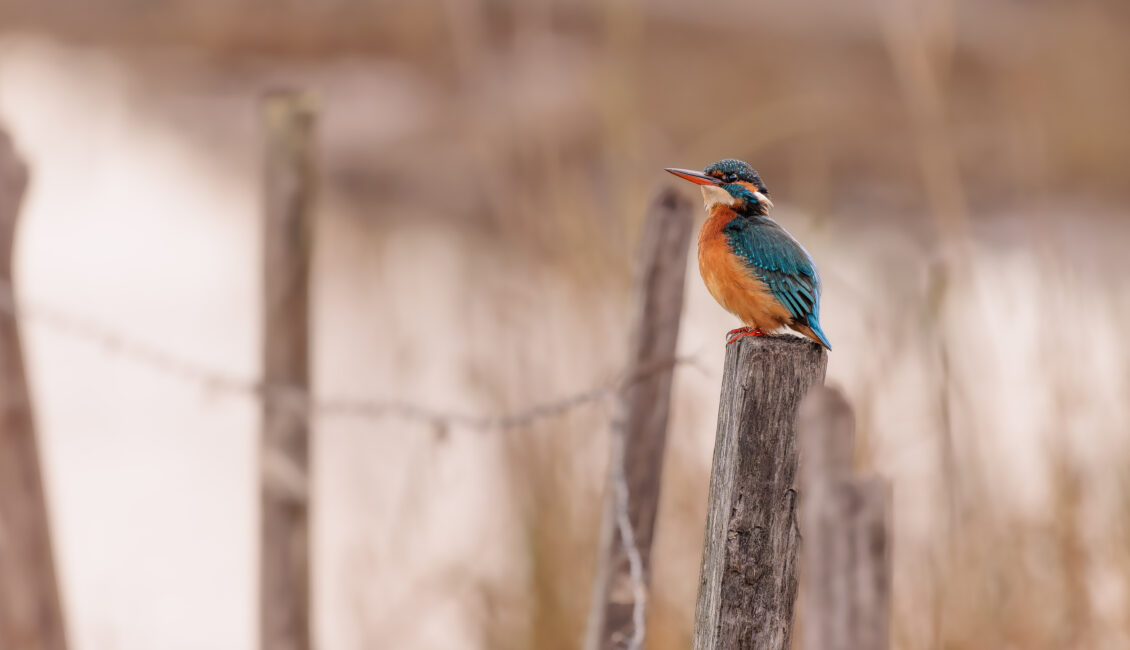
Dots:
{"x": 732, "y": 170}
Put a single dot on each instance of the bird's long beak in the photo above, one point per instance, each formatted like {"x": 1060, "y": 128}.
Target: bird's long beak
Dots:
{"x": 698, "y": 178}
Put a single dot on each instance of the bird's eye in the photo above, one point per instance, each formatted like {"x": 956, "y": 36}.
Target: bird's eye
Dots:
{"x": 730, "y": 178}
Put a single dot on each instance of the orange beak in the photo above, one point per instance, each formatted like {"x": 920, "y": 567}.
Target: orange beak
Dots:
{"x": 698, "y": 178}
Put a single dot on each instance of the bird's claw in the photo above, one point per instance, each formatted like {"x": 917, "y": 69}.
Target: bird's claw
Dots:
{"x": 742, "y": 332}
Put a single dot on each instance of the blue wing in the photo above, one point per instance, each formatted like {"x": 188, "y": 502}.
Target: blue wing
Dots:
{"x": 782, "y": 264}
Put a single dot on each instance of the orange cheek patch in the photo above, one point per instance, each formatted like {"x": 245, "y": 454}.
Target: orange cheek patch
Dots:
{"x": 752, "y": 188}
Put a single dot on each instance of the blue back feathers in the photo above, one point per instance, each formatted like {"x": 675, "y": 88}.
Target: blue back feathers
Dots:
{"x": 781, "y": 262}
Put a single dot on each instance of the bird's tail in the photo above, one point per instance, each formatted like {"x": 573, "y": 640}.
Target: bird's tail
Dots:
{"x": 812, "y": 330}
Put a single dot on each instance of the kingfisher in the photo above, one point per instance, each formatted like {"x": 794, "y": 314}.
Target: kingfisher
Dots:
{"x": 751, "y": 265}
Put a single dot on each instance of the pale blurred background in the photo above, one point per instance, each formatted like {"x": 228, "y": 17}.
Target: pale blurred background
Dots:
{"x": 960, "y": 171}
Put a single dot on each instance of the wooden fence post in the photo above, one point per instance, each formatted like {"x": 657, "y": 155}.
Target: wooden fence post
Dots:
{"x": 31, "y": 616}
{"x": 748, "y": 583}
{"x": 288, "y": 123}
{"x": 845, "y": 557}
{"x": 639, "y": 432}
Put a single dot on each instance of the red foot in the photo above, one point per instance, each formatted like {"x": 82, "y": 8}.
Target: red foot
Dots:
{"x": 743, "y": 332}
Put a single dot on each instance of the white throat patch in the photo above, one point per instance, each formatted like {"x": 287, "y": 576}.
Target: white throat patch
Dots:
{"x": 713, "y": 195}
{"x": 764, "y": 200}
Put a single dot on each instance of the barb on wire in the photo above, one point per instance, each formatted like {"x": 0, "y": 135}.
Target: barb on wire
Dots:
{"x": 117, "y": 343}
{"x": 170, "y": 364}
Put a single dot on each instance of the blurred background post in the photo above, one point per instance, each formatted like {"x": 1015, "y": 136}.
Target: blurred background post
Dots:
{"x": 31, "y": 614}
{"x": 845, "y": 521}
{"x": 284, "y": 464}
{"x": 639, "y": 429}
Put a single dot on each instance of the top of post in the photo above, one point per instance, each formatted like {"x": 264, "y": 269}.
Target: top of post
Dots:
{"x": 805, "y": 350}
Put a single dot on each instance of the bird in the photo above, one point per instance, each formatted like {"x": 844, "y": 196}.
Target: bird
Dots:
{"x": 751, "y": 265}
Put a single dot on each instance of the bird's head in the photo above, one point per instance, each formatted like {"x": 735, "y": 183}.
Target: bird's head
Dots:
{"x": 732, "y": 183}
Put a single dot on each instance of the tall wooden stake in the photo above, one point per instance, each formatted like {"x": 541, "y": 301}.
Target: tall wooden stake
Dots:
{"x": 31, "y": 616}
{"x": 288, "y": 121}
{"x": 748, "y": 583}
{"x": 845, "y": 558}
{"x": 639, "y": 432}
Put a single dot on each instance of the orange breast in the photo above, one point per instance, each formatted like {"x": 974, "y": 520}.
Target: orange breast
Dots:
{"x": 731, "y": 282}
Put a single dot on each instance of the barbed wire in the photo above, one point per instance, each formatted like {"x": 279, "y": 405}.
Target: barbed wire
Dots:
{"x": 294, "y": 399}
{"x": 283, "y": 476}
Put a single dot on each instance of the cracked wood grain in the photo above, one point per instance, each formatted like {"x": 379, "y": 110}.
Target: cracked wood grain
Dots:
{"x": 748, "y": 583}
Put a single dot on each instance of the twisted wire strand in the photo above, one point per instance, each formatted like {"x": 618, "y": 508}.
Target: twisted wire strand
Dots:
{"x": 210, "y": 379}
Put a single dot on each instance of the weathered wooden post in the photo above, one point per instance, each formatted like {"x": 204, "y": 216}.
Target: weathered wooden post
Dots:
{"x": 288, "y": 124}
{"x": 639, "y": 431}
{"x": 748, "y": 585}
{"x": 845, "y": 557}
{"x": 31, "y": 616}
